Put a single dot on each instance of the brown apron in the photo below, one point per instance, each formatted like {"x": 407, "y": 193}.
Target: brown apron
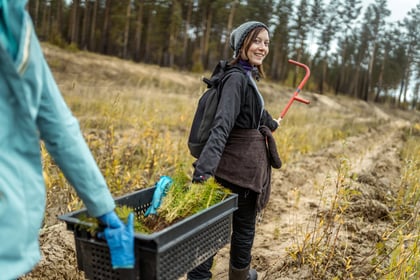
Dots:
{"x": 245, "y": 162}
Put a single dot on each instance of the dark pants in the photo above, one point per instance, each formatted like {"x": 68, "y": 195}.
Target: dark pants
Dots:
{"x": 243, "y": 232}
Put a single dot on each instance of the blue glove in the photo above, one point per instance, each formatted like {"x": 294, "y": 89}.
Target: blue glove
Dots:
{"x": 120, "y": 239}
{"x": 160, "y": 191}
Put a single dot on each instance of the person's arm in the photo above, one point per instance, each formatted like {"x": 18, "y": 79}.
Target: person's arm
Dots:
{"x": 227, "y": 111}
{"x": 63, "y": 139}
{"x": 268, "y": 121}
{"x": 62, "y": 136}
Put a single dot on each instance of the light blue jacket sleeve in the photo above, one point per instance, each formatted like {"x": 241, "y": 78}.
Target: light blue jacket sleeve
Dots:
{"x": 39, "y": 96}
{"x": 32, "y": 109}
{"x": 60, "y": 131}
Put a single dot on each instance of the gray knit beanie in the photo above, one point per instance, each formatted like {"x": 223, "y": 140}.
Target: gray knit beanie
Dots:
{"x": 239, "y": 34}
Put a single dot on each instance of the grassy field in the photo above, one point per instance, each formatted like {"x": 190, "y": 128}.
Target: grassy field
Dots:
{"x": 136, "y": 120}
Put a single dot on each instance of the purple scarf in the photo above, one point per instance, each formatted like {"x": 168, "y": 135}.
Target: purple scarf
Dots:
{"x": 249, "y": 68}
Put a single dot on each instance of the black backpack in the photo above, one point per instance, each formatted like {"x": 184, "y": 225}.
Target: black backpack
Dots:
{"x": 206, "y": 109}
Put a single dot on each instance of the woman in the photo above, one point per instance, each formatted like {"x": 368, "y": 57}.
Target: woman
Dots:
{"x": 236, "y": 153}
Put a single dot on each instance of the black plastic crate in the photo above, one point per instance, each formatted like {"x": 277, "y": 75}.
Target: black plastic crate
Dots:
{"x": 164, "y": 255}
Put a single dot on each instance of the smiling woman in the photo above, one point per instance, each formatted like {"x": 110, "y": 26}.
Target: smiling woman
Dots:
{"x": 257, "y": 49}
{"x": 238, "y": 138}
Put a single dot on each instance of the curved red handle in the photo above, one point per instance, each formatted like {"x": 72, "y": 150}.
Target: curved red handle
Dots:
{"x": 299, "y": 88}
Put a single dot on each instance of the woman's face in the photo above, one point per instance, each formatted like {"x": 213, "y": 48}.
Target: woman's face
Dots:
{"x": 258, "y": 49}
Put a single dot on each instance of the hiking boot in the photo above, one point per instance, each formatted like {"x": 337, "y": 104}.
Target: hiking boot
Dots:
{"x": 242, "y": 274}
{"x": 252, "y": 274}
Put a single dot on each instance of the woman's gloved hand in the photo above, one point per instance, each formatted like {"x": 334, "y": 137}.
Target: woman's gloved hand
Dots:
{"x": 120, "y": 239}
{"x": 161, "y": 189}
{"x": 199, "y": 179}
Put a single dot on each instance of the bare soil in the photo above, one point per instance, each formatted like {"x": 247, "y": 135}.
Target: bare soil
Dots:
{"x": 296, "y": 203}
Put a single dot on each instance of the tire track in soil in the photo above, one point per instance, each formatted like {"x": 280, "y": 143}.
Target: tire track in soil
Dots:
{"x": 295, "y": 195}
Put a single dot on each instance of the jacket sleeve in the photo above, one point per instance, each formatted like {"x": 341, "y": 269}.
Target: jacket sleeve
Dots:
{"x": 63, "y": 139}
{"x": 227, "y": 111}
{"x": 268, "y": 121}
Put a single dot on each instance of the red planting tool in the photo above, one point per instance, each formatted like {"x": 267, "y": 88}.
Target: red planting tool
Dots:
{"x": 299, "y": 88}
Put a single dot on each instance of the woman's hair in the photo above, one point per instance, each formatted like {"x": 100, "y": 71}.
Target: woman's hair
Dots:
{"x": 247, "y": 44}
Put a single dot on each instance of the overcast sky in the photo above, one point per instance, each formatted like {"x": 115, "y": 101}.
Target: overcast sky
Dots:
{"x": 398, "y": 8}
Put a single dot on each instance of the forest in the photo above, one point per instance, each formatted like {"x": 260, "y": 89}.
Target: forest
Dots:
{"x": 351, "y": 50}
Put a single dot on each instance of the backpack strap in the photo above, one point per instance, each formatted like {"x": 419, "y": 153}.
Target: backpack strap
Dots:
{"x": 217, "y": 74}
{"x": 220, "y": 72}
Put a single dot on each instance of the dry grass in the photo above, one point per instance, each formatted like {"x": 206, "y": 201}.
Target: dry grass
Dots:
{"x": 136, "y": 117}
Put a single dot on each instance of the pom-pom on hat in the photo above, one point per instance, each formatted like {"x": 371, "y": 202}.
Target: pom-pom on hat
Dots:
{"x": 239, "y": 34}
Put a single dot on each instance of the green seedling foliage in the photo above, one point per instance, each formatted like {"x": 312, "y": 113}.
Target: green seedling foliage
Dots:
{"x": 183, "y": 199}
{"x": 90, "y": 224}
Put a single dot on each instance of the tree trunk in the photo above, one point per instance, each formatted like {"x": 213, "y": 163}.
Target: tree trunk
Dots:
{"x": 206, "y": 26}
{"x": 323, "y": 75}
{"x": 298, "y": 58}
{"x": 415, "y": 102}
{"x": 380, "y": 79}
{"x": 105, "y": 29}
{"x": 275, "y": 63}
{"x": 127, "y": 29}
{"x": 45, "y": 21}
{"x": 58, "y": 20}
{"x": 354, "y": 85}
{"x": 175, "y": 21}
{"x": 34, "y": 10}
{"x": 342, "y": 71}
{"x": 370, "y": 70}
{"x": 401, "y": 90}
{"x": 85, "y": 25}
{"x": 284, "y": 65}
{"x": 74, "y": 22}
{"x": 407, "y": 83}
{"x": 226, "y": 48}
{"x": 92, "y": 37}
{"x": 149, "y": 34}
{"x": 186, "y": 37}
{"x": 139, "y": 28}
